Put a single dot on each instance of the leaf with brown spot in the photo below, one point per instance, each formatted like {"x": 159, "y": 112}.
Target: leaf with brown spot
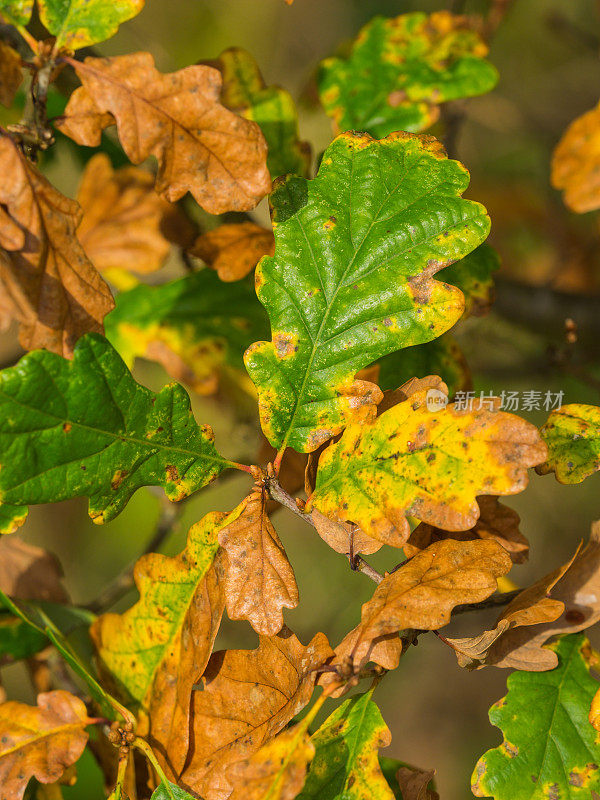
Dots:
{"x": 579, "y": 590}
{"x": 259, "y": 581}
{"x": 423, "y": 592}
{"x": 533, "y": 606}
{"x": 234, "y": 249}
{"x": 39, "y": 742}
{"x": 123, "y": 218}
{"x": 50, "y": 285}
{"x": 157, "y": 650}
{"x": 201, "y": 147}
{"x": 430, "y": 463}
{"x": 496, "y": 521}
{"x": 11, "y": 74}
{"x": 277, "y": 771}
{"x": 576, "y": 163}
{"x": 28, "y": 572}
{"x": 247, "y": 697}
{"x": 346, "y": 749}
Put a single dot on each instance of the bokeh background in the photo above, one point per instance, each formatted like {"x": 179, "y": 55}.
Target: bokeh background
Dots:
{"x": 547, "y": 52}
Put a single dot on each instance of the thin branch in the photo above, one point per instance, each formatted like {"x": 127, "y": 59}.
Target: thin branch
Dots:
{"x": 276, "y": 492}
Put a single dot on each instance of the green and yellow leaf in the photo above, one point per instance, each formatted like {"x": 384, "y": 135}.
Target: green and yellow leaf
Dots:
{"x": 428, "y": 464}
{"x": 86, "y": 428}
{"x": 81, "y": 23}
{"x": 196, "y": 327}
{"x": 16, "y": 12}
{"x": 400, "y": 70}
{"x": 363, "y": 241}
{"x": 272, "y": 108}
{"x": 572, "y": 434}
{"x": 550, "y": 748}
{"x": 473, "y": 275}
{"x": 157, "y": 650}
{"x": 346, "y": 762}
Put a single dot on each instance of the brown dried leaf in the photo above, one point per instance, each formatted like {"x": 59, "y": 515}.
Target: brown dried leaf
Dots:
{"x": 49, "y": 283}
{"x": 340, "y": 535}
{"x": 201, "y": 147}
{"x": 233, "y": 250}
{"x": 122, "y": 224}
{"x": 579, "y": 590}
{"x": 394, "y": 396}
{"x": 533, "y": 606}
{"x": 39, "y": 742}
{"x": 414, "y": 783}
{"x": 30, "y": 573}
{"x": 248, "y": 696}
{"x": 496, "y": 521}
{"x": 277, "y": 770}
{"x": 260, "y": 581}
{"x": 11, "y": 73}
{"x": 423, "y": 592}
{"x": 576, "y": 163}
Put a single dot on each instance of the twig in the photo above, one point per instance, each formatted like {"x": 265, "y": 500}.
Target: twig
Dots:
{"x": 169, "y": 516}
{"x": 276, "y": 492}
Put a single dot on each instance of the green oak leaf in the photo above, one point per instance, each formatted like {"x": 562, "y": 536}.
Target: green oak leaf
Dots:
{"x": 399, "y": 71}
{"x": 441, "y": 357}
{"x": 198, "y": 326}
{"x": 80, "y": 23}
{"x": 168, "y": 791}
{"x": 549, "y": 748}
{"x": 17, "y": 639}
{"x": 12, "y": 517}
{"x": 86, "y": 428}
{"x": 572, "y": 434}
{"x": 16, "y": 12}
{"x": 473, "y": 276}
{"x": 272, "y": 108}
{"x": 345, "y": 765}
{"x": 356, "y": 250}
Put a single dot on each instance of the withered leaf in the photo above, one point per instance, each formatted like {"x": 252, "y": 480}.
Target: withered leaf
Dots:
{"x": 277, "y": 770}
{"x": 49, "y": 284}
{"x": 234, "y": 249}
{"x": 496, "y": 521}
{"x": 248, "y": 696}
{"x": 579, "y": 590}
{"x": 343, "y": 537}
{"x": 260, "y": 581}
{"x": 415, "y": 783}
{"x": 39, "y": 742}
{"x": 423, "y": 592}
{"x": 11, "y": 73}
{"x": 533, "y": 606}
{"x": 121, "y": 227}
{"x": 28, "y": 572}
{"x": 576, "y": 160}
{"x": 201, "y": 147}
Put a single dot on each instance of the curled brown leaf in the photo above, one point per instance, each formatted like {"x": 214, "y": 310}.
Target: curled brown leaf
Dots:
{"x": 233, "y": 250}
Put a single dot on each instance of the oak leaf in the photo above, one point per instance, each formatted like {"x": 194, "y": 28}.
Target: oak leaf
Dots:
{"x": 234, "y": 249}
{"x": 247, "y": 697}
{"x": 80, "y": 23}
{"x": 430, "y": 464}
{"x": 496, "y": 521}
{"x": 271, "y": 107}
{"x": 159, "y": 648}
{"x": 50, "y": 285}
{"x": 399, "y": 198}
{"x": 532, "y": 606}
{"x": 343, "y": 537}
{"x": 28, "y": 572}
{"x": 578, "y": 589}
{"x": 11, "y": 74}
{"x": 277, "y": 771}
{"x": 16, "y": 12}
{"x": 259, "y": 581}
{"x": 39, "y": 742}
{"x": 576, "y": 163}
{"x": 201, "y": 147}
{"x": 415, "y": 783}
{"x": 422, "y": 593}
{"x": 123, "y": 217}
{"x": 572, "y": 434}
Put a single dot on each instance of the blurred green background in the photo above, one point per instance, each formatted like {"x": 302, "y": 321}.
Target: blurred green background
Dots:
{"x": 547, "y": 55}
